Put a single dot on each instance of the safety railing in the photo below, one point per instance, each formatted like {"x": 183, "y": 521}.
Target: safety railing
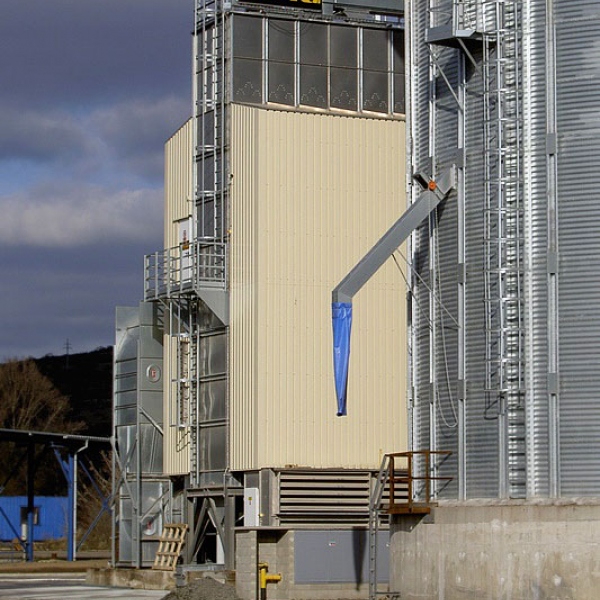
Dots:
{"x": 410, "y": 485}
{"x": 185, "y": 268}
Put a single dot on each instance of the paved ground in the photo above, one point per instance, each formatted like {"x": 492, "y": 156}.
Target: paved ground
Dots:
{"x": 63, "y": 586}
{"x": 51, "y": 579}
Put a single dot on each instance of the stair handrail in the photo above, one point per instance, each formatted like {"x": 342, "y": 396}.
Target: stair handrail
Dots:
{"x": 409, "y": 504}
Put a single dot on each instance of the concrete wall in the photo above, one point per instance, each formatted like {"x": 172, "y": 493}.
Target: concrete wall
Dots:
{"x": 505, "y": 550}
{"x": 277, "y": 548}
{"x": 246, "y": 564}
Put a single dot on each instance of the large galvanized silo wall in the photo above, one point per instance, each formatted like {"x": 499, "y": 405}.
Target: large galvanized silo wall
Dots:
{"x": 547, "y": 443}
{"x": 577, "y": 79}
{"x": 447, "y": 254}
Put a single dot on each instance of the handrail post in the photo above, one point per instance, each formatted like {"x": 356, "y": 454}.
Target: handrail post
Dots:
{"x": 410, "y": 480}
{"x": 392, "y": 485}
{"x": 428, "y": 476}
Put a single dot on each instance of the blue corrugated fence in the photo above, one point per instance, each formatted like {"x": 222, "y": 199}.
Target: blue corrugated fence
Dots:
{"x": 50, "y": 517}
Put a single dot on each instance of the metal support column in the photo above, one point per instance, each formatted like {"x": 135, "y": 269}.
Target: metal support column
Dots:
{"x": 72, "y": 503}
{"x": 552, "y": 261}
{"x": 30, "y": 500}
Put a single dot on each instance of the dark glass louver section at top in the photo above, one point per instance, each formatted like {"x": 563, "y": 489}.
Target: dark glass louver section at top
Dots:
{"x": 321, "y": 65}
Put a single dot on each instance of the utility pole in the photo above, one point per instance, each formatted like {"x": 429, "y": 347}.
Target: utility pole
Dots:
{"x": 68, "y": 348}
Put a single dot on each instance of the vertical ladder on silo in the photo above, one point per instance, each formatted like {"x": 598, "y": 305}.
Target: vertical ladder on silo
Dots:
{"x": 375, "y": 512}
{"x": 210, "y": 189}
{"x": 194, "y": 400}
{"x": 503, "y": 237}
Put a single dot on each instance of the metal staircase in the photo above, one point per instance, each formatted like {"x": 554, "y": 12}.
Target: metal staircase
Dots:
{"x": 503, "y": 238}
{"x": 376, "y": 511}
{"x": 404, "y": 486}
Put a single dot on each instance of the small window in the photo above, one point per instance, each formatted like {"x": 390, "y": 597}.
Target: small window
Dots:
{"x": 247, "y": 38}
{"x": 344, "y": 46}
{"x": 313, "y": 86}
{"x": 375, "y": 91}
{"x": 398, "y": 44}
{"x": 206, "y": 226}
{"x": 399, "y": 95}
{"x": 313, "y": 44}
{"x": 375, "y": 50}
{"x": 281, "y": 40}
{"x": 247, "y": 80}
{"x": 281, "y": 83}
{"x": 206, "y": 124}
{"x": 344, "y": 88}
{"x": 206, "y": 172}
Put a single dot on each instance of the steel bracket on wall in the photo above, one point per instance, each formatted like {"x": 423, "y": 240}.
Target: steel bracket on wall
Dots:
{"x": 217, "y": 301}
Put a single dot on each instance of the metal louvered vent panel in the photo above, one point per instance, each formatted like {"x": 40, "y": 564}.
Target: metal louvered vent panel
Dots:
{"x": 317, "y": 496}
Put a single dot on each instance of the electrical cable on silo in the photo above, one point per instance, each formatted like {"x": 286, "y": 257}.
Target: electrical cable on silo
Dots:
{"x": 445, "y": 352}
{"x": 449, "y": 425}
{"x": 414, "y": 272}
{"x": 429, "y": 324}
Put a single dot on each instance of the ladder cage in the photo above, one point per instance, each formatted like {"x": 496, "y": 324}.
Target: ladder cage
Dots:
{"x": 504, "y": 237}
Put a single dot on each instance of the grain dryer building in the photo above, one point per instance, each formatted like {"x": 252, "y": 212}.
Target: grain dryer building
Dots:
{"x": 289, "y": 171}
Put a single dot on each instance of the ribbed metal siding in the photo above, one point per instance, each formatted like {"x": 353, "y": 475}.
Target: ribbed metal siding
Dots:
{"x": 435, "y": 134}
{"x": 481, "y": 428}
{"x": 578, "y": 115}
{"x": 536, "y": 196}
{"x": 176, "y": 439}
{"x": 444, "y": 150}
{"x": 178, "y": 192}
{"x": 578, "y": 129}
{"x": 311, "y": 193}
{"x": 178, "y": 181}
{"x": 419, "y": 142}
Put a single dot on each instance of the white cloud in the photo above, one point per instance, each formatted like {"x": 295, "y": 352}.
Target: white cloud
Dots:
{"x": 134, "y": 132}
{"x": 80, "y": 215}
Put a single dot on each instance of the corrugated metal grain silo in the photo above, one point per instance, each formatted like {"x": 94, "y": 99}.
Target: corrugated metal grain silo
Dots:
{"x": 505, "y": 299}
{"x": 505, "y": 303}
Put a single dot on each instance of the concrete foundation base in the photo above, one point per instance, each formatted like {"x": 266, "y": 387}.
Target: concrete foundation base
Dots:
{"x": 498, "y": 551}
{"x": 145, "y": 579}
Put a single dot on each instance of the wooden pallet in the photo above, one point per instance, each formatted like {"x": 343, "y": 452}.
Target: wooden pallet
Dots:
{"x": 169, "y": 548}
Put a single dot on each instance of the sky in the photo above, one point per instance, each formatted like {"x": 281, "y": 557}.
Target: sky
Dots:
{"x": 90, "y": 90}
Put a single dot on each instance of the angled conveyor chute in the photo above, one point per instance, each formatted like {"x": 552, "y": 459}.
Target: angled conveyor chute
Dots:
{"x": 434, "y": 191}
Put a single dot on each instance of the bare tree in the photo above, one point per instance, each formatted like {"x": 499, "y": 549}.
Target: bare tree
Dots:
{"x": 29, "y": 401}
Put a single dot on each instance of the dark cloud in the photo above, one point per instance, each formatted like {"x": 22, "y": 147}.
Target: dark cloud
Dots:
{"x": 40, "y": 136}
{"x": 73, "y": 51}
{"x": 89, "y": 92}
{"x": 60, "y": 293}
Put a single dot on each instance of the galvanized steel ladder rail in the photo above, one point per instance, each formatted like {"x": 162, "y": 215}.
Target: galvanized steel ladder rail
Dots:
{"x": 209, "y": 92}
{"x": 503, "y": 237}
{"x": 375, "y": 511}
{"x": 209, "y": 177}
